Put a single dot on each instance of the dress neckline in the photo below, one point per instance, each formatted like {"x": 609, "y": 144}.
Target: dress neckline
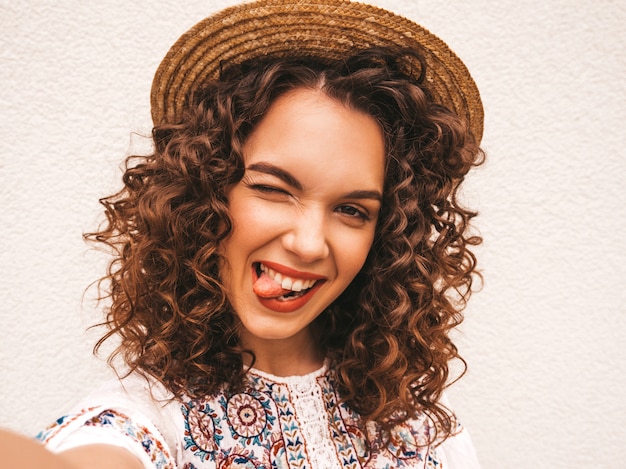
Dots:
{"x": 292, "y": 379}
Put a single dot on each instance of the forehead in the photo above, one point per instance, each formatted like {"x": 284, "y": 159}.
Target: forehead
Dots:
{"x": 320, "y": 139}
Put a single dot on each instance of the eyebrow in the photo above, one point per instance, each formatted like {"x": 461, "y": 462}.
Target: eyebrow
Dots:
{"x": 280, "y": 173}
{"x": 290, "y": 179}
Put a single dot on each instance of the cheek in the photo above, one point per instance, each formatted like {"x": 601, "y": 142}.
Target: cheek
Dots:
{"x": 351, "y": 251}
{"x": 255, "y": 219}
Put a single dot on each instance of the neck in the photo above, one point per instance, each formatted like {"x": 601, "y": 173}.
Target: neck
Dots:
{"x": 293, "y": 356}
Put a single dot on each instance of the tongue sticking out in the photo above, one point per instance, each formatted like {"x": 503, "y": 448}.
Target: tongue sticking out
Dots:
{"x": 265, "y": 287}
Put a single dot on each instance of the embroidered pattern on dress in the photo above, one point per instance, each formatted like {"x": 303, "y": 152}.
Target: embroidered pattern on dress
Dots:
{"x": 152, "y": 445}
{"x": 294, "y": 449}
{"x": 235, "y": 431}
{"x": 352, "y": 445}
{"x": 60, "y": 424}
{"x": 263, "y": 428}
{"x": 407, "y": 445}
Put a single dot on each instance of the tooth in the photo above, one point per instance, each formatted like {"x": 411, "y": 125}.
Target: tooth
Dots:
{"x": 286, "y": 283}
{"x": 277, "y": 277}
{"x": 263, "y": 268}
{"x": 297, "y": 285}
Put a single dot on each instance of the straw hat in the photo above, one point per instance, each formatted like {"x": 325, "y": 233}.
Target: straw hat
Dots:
{"x": 324, "y": 28}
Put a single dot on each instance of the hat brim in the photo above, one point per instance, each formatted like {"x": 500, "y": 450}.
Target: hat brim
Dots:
{"x": 321, "y": 28}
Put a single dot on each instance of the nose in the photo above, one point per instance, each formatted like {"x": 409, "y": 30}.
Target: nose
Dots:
{"x": 307, "y": 237}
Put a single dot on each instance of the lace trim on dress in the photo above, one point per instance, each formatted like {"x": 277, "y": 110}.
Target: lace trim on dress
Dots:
{"x": 307, "y": 398}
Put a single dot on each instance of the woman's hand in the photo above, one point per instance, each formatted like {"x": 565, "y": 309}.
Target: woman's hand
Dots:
{"x": 19, "y": 452}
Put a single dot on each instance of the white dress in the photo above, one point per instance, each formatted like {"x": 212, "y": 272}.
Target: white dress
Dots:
{"x": 275, "y": 423}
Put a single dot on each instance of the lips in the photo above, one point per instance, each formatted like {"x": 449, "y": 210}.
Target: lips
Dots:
{"x": 283, "y": 289}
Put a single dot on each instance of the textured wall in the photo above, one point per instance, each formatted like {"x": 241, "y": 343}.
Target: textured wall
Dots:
{"x": 543, "y": 338}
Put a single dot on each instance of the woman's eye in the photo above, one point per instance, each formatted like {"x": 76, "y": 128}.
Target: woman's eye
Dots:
{"x": 353, "y": 212}
{"x": 268, "y": 189}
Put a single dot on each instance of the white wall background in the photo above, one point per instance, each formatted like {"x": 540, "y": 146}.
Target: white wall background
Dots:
{"x": 544, "y": 337}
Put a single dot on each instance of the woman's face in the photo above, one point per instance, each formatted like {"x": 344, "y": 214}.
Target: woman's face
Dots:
{"x": 303, "y": 215}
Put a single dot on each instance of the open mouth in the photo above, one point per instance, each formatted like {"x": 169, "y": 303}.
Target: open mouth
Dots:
{"x": 271, "y": 284}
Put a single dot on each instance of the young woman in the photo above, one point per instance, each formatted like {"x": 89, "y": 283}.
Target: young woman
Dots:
{"x": 292, "y": 257}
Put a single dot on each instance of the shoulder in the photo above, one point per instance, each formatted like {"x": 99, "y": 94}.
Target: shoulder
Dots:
{"x": 454, "y": 452}
{"x": 138, "y": 391}
{"x": 135, "y": 412}
{"x": 458, "y": 451}
{"x": 138, "y": 395}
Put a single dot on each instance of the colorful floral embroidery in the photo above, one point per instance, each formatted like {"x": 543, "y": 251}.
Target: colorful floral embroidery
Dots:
{"x": 264, "y": 427}
{"x": 203, "y": 432}
{"x": 233, "y": 431}
{"x": 151, "y": 445}
{"x": 246, "y": 415}
{"x": 60, "y": 424}
{"x": 261, "y": 429}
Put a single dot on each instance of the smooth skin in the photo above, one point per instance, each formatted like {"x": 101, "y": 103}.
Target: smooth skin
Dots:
{"x": 19, "y": 452}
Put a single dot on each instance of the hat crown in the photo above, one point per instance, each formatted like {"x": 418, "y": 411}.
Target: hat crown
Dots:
{"x": 329, "y": 29}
